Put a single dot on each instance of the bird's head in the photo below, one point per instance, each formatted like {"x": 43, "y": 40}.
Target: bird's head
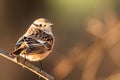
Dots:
{"x": 42, "y": 24}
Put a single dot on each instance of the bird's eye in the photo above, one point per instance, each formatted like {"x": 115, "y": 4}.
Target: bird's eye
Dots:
{"x": 40, "y": 25}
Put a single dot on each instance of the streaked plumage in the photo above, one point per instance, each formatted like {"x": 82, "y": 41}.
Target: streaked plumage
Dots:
{"x": 37, "y": 42}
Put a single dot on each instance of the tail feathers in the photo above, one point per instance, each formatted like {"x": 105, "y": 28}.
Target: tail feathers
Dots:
{"x": 17, "y": 52}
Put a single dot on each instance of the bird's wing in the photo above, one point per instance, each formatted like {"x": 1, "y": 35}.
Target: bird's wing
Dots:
{"x": 27, "y": 40}
{"x": 28, "y": 45}
{"x": 19, "y": 42}
{"x": 39, "y": 40}
{"x": 43, "y": 38}
{"x": 35, "y": 46}
{"x": 34, "y": 36}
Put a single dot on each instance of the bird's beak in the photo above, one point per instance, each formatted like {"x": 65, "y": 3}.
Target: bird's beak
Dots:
{"x": 50, "y": 24}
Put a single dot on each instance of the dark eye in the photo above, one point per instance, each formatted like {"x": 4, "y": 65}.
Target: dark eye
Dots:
{"x": 40, "y": 25}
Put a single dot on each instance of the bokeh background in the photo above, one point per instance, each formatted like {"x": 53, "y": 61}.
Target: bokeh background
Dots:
{"x": 87, "y": 36}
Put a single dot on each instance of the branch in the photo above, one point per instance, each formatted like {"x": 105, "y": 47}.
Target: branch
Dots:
{"x": 27, "y": 65}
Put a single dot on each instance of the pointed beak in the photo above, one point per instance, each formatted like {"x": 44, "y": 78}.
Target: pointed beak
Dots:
{"x": 50, "y": 24}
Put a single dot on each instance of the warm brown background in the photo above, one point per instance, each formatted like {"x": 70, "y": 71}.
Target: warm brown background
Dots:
{"x": 87, "y": 35}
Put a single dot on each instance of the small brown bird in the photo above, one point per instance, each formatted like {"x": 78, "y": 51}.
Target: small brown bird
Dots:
{"x": 37, "y": 42}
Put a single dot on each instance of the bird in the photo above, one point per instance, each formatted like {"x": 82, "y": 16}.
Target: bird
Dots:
{"x": 37, "y": 43}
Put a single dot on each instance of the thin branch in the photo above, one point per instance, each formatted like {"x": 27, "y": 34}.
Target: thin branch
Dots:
{"x": 27, "y": 65}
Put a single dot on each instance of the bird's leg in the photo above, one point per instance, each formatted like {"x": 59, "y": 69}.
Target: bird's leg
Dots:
{"x": 41, "y": 67}
{"x": 24, "y": 60}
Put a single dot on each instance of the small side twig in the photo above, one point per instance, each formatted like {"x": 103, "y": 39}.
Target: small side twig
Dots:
{"x": 28, "y": 66}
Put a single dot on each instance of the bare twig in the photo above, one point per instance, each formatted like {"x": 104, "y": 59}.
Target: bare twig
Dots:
{"x": 27, "y": 65}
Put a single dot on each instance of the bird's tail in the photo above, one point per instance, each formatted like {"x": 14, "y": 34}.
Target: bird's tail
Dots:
{"x": 17, "y": 52}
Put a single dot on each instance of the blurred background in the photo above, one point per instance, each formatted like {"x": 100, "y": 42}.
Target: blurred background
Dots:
{"x": 87, "y": 36}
